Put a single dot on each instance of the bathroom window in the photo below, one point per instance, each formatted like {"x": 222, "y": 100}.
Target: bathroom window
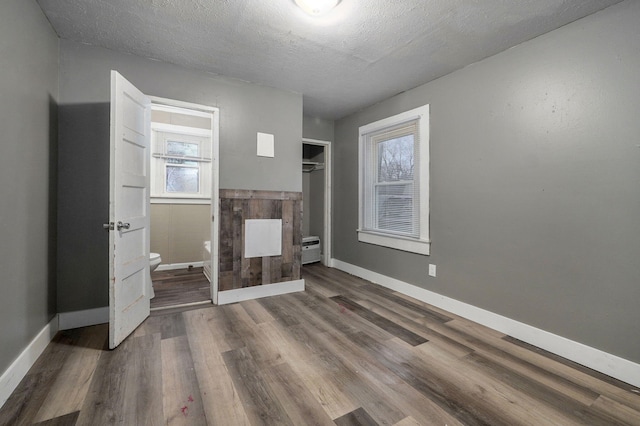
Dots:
{"x": 182, "y": 175}
{"x": 181, "y": 162}
{"x": 394, "y": 182}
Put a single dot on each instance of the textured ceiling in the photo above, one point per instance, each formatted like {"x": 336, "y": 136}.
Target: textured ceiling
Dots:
{"x": 361, "y": 53}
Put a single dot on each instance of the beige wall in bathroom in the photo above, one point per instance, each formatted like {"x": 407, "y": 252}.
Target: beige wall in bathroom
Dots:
{"x": 178, "y": 231}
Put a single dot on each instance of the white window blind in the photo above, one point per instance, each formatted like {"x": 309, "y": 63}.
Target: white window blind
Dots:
{"x": 393, "y": 192}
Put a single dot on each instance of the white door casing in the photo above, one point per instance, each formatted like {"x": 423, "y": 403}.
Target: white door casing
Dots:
{"x": 328, "y": 188}
{"x": 214, "y": 114}
{"x": 129, "y": 278}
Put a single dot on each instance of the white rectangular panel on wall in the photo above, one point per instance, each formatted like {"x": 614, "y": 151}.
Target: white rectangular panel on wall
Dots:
{"x": 265, "y": 145}
{"x": 262, "y": 237}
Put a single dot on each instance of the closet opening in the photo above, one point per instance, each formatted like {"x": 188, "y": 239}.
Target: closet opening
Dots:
{"x": 316, "y": 193}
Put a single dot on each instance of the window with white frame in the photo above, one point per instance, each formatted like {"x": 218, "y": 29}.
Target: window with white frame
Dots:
{"x": 181, "y": 164}
{"x": 394, "y": 182}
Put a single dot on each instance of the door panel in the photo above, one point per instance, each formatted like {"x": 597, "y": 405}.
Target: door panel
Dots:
{"x": 129, "y": 279}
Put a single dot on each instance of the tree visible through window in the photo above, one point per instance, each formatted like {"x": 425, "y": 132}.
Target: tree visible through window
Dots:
{"x": 394, "y": 186}
{"x": 181, "y": 164}
{"x": 182, "y": 175}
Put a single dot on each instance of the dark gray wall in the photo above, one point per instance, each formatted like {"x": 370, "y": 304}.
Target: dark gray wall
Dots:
{"x": 316, "y": 199}
{"x": 535, "y": 191}
{"x": 29, "y": 91}
{"x": 306, "y": 211}
{"x": 313, "y": 189}
{"x": 245, "y": 109}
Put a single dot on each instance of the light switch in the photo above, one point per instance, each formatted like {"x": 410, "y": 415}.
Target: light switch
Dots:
{"x": 432, "y": 270}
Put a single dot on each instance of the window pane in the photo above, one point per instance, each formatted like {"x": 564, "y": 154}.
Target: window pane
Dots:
{"x": 394, "y": 208}
{"x": 183, "y": 179}
{"x": 395, "y": 159}
{"x": 189, "y": 149}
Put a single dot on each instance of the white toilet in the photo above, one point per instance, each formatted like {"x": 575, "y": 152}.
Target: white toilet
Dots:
{"x": 154, "y": 261}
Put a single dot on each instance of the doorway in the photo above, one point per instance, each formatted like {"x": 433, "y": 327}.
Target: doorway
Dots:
{"x": 184, "y": 202}
{"x": 316, "y": 190}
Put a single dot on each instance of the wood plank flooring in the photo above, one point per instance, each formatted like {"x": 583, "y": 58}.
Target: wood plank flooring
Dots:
{"x": 179, "y": 287}
{"x": 344, "y": 352}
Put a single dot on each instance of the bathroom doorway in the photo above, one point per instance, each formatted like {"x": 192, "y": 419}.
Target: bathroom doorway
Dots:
{"x": 316, "y": 191}
{"x": 184, "y": 203}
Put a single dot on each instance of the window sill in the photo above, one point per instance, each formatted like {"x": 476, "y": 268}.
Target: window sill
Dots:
{"x": 163, "y": 200}
{"x": 394, "y": 242}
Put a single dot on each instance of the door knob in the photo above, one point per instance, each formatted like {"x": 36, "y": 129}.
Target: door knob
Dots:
{"x": 121, "y": 225}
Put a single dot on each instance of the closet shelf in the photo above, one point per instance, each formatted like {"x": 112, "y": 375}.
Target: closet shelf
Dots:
{"x": 310, "y": 166}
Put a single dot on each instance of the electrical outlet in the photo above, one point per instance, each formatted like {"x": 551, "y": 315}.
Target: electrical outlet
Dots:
{"x": 432, "y": 270}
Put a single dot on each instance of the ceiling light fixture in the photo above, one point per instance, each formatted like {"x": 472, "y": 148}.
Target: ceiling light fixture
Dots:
{"x": 316, "y": 7}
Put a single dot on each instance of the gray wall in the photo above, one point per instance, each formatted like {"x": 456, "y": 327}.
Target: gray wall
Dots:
{"x": 313, "y": 189}
{"x": 535, "y": 191}
{"x": 84, "y": 145}
{"x": 29, "y": 91}
{"x": 317, "y": 128}
{"x": 306, "y": 211}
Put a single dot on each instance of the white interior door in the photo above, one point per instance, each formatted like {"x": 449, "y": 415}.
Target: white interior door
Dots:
{"x": 129, "y": 279}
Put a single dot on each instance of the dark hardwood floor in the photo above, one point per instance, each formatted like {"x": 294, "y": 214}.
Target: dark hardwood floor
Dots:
{"x": 344, "y": 352}
{"x": 179, "y": 287}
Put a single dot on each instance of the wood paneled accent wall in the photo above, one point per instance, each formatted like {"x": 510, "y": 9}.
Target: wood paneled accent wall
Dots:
{"x": 236, "y": 206}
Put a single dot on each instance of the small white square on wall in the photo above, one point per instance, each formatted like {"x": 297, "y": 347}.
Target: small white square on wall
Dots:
{"x": 265, "y": 145}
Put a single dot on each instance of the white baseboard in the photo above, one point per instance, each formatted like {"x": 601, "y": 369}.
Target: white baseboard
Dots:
{"x": 19, "y": 368}
{"x": 256, "y": 292}
{"x": 207, "y": 273}
{"x": 85, "y": 318}
{"x": 598, "y": 360}
{"x": 173, "y": 266}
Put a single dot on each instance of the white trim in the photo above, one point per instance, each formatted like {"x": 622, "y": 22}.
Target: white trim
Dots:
{"x": 160, "y": 137}
{"x": 174, "y": 266}
{"x": 12, "y": 376}
{"x": 326, "y": 242}
{"x": 207, "y": 273}
{"x": 172, "y": 105}
{"x": 215, "y": 204}
{"x": 395, "y": 242}
{"x": 258, "y": 291}
{"x": 84, "y": 318}
{"x": 421, "y": 245}
{"x": 611, "y": 365}
{"x": 181, "y": 130}
{"x": 181, "y": 305}
{"x": 163, "y": 200}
